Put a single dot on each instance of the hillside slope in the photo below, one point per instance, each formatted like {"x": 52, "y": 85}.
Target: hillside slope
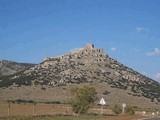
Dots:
{"x": 55, "y": 76}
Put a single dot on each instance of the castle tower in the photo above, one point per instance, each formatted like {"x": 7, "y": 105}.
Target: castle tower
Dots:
{"x": 90, "y": 46}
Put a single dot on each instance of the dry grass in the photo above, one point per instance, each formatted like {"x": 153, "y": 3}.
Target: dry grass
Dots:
{"x": 62, "y": 94}
{"x": 29, "y": 110}
{"x": 33, "y": 109}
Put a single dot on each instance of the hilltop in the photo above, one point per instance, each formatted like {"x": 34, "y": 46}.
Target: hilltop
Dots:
{"x": 52, "y": 79}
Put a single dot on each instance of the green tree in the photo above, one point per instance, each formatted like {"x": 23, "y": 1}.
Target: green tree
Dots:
{"x": 83, "y": 98}
{"x": 117, "y": 109}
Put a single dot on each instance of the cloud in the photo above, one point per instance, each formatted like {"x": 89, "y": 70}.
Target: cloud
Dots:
{"x": 153, "y": 53}
{"x": 113, "y": 49}
{"x": 158, "y": 76}
{"x": 142, "y": 29}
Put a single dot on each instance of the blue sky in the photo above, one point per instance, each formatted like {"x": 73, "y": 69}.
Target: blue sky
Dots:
{"x": 128, "y": 30}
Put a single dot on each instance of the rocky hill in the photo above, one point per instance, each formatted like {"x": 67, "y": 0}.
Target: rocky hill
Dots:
{"x": 53, "y": 78}
{"x": 10, "y": 67}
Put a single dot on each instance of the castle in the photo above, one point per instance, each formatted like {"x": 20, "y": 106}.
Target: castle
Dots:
{"x": 89, "y": 49}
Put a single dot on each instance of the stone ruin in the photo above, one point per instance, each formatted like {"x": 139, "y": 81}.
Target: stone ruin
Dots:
{"x": 89, "y": 46}
{"x": 87, "y": 50}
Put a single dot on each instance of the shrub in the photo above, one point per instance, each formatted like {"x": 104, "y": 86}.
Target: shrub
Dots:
{"x": 117, "y": 109}
{"x": 129, "y": 110}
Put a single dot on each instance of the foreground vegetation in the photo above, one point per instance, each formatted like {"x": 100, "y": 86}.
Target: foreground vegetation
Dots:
{"x": 83, "y": 117}
{"x": 83, "y": 99}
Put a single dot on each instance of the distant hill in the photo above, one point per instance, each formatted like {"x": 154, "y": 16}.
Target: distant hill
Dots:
{"x": 52, "y": 79}
{"x": 10, "y": 67}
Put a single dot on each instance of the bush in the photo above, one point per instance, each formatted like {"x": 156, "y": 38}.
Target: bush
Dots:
{"x": 19, "y": 101}
{"x": 129, "y": 110}
{"x": 117, "y": 109}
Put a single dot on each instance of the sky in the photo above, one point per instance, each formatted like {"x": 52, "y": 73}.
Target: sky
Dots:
{"x": 127, "y": 30}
